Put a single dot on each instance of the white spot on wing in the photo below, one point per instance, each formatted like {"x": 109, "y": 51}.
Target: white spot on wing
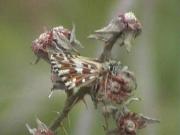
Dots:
{"x": 92, "y": 71}
{"x": 59, "y": 66}
{"x": 53, "y": 62}
{"x": 78, "y": 63}
{"x": 52, "y": 57}
{"x": 83, "y": 80}
{"x": 63, "y": 72}
{"x": 91, "y": 77}
{"x": 79, "y": 70}
{"x": 89, "y": 66}
{"x": 74, "y": 80}
{"x": 72, "y": 86}
{"x": 55, "y": 66}
{"x": 68, "y": 83}
{"x": 55, "y": 70}
{"x": 64, "y": 78}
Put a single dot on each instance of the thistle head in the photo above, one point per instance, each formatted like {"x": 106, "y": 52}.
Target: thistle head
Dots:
{"x": 58, "y": 39}
{"x": 118, "y": 83}
{"x": 129, "y": 122}
{"x": 131, "y": 22}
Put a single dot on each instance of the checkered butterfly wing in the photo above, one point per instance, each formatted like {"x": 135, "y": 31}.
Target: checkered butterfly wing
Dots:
{"x": 74, "y": 71}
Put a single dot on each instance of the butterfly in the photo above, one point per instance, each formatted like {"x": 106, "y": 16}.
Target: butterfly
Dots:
{"x": 73, "y": 71}
{"x": 112, "y": 79}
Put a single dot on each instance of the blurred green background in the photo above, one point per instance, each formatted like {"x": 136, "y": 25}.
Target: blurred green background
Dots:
{"x": 155, "y": 59}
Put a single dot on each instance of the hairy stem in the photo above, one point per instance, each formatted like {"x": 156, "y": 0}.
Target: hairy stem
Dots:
{"x": 106, "y": 54}
{"x": 69, "y": 104}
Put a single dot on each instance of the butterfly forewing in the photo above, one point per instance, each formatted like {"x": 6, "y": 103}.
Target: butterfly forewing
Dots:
{"x": 74, "y": 71}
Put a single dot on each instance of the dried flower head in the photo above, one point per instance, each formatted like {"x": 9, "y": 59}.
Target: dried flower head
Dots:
{"x": 118, "y": 84}
{"x": 129, "y": 122}
{"x": 41, "y": 129}
{"x": 124, "y": 27}
{"x": 58, "y": 39}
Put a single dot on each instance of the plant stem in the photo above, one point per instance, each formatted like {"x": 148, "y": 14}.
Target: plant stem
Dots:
{"x": 69, "y": 104}
{"x": 106, "y": 54}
